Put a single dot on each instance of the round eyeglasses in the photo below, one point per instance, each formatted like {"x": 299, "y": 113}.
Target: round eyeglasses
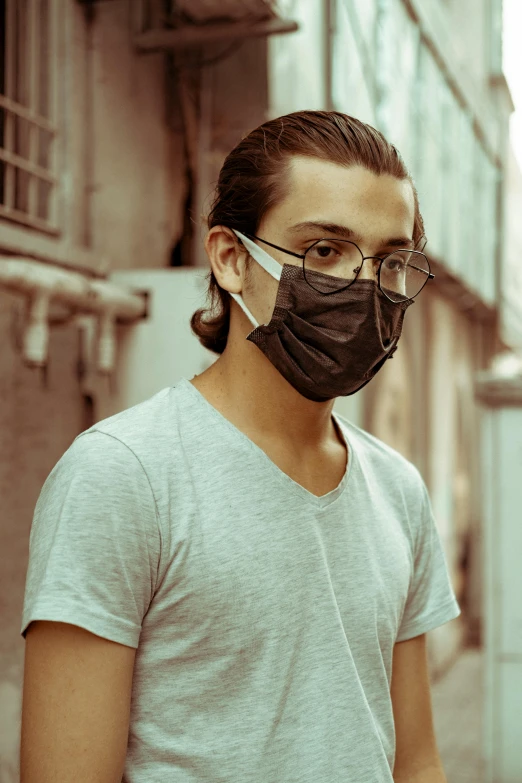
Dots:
{"x": 402, "y": 274}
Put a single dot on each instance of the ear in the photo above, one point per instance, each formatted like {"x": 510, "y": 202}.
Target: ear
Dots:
{"x": 227, "y": 257}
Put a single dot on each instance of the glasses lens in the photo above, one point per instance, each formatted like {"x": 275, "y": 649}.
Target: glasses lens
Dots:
{"x": 404, "y": 274}
{"x": 337, "y": 258}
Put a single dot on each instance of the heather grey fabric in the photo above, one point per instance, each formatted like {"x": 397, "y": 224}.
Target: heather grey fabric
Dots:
{"x": 264, "y": 617}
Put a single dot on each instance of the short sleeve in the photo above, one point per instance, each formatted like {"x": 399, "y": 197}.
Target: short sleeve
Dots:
{"x": 431, "y": 600}
{"x": 94, "y": 545}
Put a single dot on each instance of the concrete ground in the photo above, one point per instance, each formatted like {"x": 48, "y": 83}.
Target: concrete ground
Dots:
{"x": 457, "y": 699}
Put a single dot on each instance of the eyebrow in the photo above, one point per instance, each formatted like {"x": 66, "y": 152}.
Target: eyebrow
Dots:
{"x": 333, "y": 229}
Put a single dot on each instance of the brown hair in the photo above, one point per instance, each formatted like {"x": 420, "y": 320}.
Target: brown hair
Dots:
{"x": 252, "y": 180}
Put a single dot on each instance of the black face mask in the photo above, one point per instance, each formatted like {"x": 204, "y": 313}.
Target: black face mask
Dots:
{"x": 325, "y": 346}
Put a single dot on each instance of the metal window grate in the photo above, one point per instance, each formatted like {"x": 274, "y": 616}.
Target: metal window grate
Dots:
{"x": 28, "y": 128}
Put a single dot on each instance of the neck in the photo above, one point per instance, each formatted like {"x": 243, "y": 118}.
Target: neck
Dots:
{"x": 247, "y": 389}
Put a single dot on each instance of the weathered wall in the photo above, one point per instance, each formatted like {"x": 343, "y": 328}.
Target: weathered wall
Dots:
{"x": 138, "y": 180}
{"x": 123, "y": 177}
{"x": 233, "y": 97}
{"x": 124, "y": 170}
{"x": 511, "y": 285}
{"x": 38, "y": 420}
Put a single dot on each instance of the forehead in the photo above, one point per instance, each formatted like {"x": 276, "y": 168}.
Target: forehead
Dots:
{"x": 366, "y": 201}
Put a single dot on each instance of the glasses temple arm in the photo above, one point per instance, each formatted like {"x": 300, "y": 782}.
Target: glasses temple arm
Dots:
{"x": 412, "y": 266}
{"x": 289, "y": 252}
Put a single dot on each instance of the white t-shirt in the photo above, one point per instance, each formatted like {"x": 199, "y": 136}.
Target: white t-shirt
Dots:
{"x": 264, "y": 617}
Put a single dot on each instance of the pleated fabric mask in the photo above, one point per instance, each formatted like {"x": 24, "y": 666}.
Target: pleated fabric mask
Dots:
{"x": 326, "y": 346}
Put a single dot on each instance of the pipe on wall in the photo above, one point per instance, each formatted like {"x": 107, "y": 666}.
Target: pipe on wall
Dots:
{"x": 42, "y": 284}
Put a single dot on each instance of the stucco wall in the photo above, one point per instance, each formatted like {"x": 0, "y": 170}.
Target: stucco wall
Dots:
{"x": 123, "y": 181}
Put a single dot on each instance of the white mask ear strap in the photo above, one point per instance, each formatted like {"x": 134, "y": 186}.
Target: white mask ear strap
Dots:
{"x": 239, "y": 300}
{"x": 268, "y": 263}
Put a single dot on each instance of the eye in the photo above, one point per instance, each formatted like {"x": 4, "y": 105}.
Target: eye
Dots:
{"x": 397, "y": 263}
{"x": 323, "y": 250}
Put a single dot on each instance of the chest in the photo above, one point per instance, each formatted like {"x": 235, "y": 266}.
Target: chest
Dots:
{"x": 251, "y": 562}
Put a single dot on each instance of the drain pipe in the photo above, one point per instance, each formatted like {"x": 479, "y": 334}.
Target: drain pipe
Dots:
{"x": 42, "y": 284}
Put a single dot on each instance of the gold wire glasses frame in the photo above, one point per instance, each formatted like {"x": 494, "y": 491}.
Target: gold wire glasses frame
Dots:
{"x": 428, "y": 273}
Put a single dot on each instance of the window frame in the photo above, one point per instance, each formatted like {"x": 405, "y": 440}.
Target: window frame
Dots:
{"x": 14, "y": 111}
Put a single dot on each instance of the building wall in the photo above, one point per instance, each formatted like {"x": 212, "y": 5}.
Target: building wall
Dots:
{"x": 511, "y": 285}
{"x": 297, "y": 63}
{"x": 39, "y": 417}
{"x": 123, "y": 190}
{"x": 138, "y": 172}
{"x": 230, "y": 115}
{"x": 475, "y": 27}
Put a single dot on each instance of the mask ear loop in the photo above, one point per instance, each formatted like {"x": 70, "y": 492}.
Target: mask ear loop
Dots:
{"x": 268, "y": 263}
{"x": 239, "y": 300}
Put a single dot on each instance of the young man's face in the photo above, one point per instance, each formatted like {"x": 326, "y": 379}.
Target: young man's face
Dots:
{"x": 379, "y": 209}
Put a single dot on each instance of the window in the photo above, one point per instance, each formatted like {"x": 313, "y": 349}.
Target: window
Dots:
{"x": 28, "y": 132}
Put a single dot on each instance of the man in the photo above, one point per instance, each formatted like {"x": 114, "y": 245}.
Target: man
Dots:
{"x": 229, "y": 581}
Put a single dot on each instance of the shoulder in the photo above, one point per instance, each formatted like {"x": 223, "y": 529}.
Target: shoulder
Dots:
{"x": 119, "y": 453}
{"x": 137, "y": 421}
{"x": 384, "y": 464}
{"x": 144, "y": 430}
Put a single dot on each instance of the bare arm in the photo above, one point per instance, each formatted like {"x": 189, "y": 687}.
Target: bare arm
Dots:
{"x": 76, "y": 706}
{"x": 417, "y": 757}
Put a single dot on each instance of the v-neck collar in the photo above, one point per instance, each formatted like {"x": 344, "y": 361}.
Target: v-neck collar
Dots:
{"x": 321, "y": 501}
